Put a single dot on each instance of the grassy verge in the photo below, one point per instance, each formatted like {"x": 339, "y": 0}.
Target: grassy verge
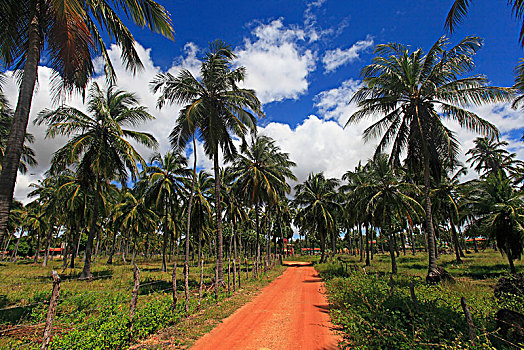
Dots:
{"x": 94, "y": 314}
{"x": 373, "y": 316}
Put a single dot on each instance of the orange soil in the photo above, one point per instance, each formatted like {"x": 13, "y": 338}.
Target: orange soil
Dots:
{"x": 291, "y": 313}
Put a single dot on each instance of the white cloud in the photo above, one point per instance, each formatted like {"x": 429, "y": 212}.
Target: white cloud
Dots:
{"x": 335, "y": 58}
{"x": 277, "y": 64}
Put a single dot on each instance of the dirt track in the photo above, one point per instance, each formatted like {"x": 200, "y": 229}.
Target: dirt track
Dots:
{"x": 290, "y": 313}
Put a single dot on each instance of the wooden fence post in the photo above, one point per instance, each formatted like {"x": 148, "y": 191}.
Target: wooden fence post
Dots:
{"x": 175, "y": 298}
{"x": 413, "y": 296}
{"x": 134, "y": 296}
{"x": 48, "y": 330}
{"x": 469, "y": 321}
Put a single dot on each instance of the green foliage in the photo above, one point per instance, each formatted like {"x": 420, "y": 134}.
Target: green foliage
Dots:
{"x": 372, "y": 318}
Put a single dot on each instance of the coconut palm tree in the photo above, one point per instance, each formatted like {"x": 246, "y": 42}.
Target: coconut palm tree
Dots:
{"x": 98, "y": 148}
{"x": 318, "y": 201}
{"x": 489, "y": 156}
{"x": 28, "y": 158}
{"x": 446, "y": 202}
{"x": 459, "y": 10}
{"x": 134, "y": 216}
{"x": 498, "y": 209}
{"x": 387, "y": 199}
{"x": 261, "y": 171}
{"x": 216, "y": 109}
{"x": 70, "y": 35}
{"x": 164, "y": 184}
{"x": 411, "y": 93}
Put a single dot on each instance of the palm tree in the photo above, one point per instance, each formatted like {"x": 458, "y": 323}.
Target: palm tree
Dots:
{"x": 261, "y": 171}
{"x": 217, "y": 108}
{"x": 318, "y": 200}
{"x": 98, "y": 147}
{"x": 413, "y": 93}
{"x": 387, "y": 199}
{"x": 135, "y": 217}
{"x": 489, "y": 156}
{"x": 69, "y": 34}
{"x": 164, "y": 177}
{"x": 6, "y": 120}
{"x": 459, "y": 10}
{"x": 446, "y": 201}
{"x": 498, "y": 208}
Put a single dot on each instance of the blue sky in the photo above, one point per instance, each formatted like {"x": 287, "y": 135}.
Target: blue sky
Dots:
{"x": 303, "y": 58}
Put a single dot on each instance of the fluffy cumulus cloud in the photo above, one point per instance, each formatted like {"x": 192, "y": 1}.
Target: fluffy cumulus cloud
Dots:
{"x": 335, "y": 58}
{"x": 276, "y": 61}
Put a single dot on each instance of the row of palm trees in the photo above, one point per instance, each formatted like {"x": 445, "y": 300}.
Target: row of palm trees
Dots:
{"x": 407, "y": 92}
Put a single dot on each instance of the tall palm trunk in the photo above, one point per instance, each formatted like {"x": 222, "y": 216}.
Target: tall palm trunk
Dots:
{"x": 455, "y": 242}
{"x": 37, "y": 251}
{"x": 368, "y": 262}
{"x": 257, "y": 222}
{"x": 48, "y": 245}
{"x": 16, "y": 137}
{"x": 86, "y": 272}
{"x": 322, "y": 246}
{"x": 432, "y": 257}
{"x": 220, "y": 241}
{"x": 188, "y": 227}
{"x": 164, "y": 243}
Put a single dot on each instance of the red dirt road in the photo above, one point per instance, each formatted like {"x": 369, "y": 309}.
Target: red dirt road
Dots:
{"x": 290, "y": 313}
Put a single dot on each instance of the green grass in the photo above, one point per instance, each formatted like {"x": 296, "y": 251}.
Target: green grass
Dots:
{"x": 94, "y": 314}
{"x": 372, "y": 318}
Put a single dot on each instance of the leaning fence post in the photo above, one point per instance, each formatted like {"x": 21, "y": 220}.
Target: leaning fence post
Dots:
{"x": 175, "y": 298}
{"x": 469, "y": 321}
{"x": 134, "y": 297}
{"x": 413, "y": 296}
{"x": 48, "y": 330}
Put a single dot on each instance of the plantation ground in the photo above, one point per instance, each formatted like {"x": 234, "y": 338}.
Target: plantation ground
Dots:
{"x": 373, "y": 318}
{"x": 96, "y": 314}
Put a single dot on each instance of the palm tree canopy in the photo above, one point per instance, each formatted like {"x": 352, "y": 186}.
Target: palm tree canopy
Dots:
{"x": 489, "y": 156}
{"x": 319, "y": 202}
{"x": 261, "y": 171}
{"x": 459, "y": 10}
{"x": 410, "y": 93}
{"x": 98, "y": 144}
{"x": 215, "y": 106}
{"x": 71, "y": 34}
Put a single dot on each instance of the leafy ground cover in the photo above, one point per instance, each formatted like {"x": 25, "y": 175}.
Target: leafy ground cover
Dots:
{"x": 372, "y": 315}
{"x": 95, "y": 315}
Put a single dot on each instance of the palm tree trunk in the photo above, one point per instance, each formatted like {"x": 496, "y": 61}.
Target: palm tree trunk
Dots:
{"x": 368, "y": 262}
{"x": 475, "y": 245}
{"x": 322, "y": 247}
{"x": 112, "y": 250}
{"x": 432, "y": 257}
{"x": 37, "y": 251}
{"x": 48, "y": 245}
{"x": 361, "y": 242}
{"x": 86, "y": 272}
{"x": 220, "y": 241}
{"x": 455, "y": 242}
{"x": 188, "y": 226}
{"x": 164, "y": 243}
{"x": 258, "y": 236}
{"x": 16, "y": 136}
